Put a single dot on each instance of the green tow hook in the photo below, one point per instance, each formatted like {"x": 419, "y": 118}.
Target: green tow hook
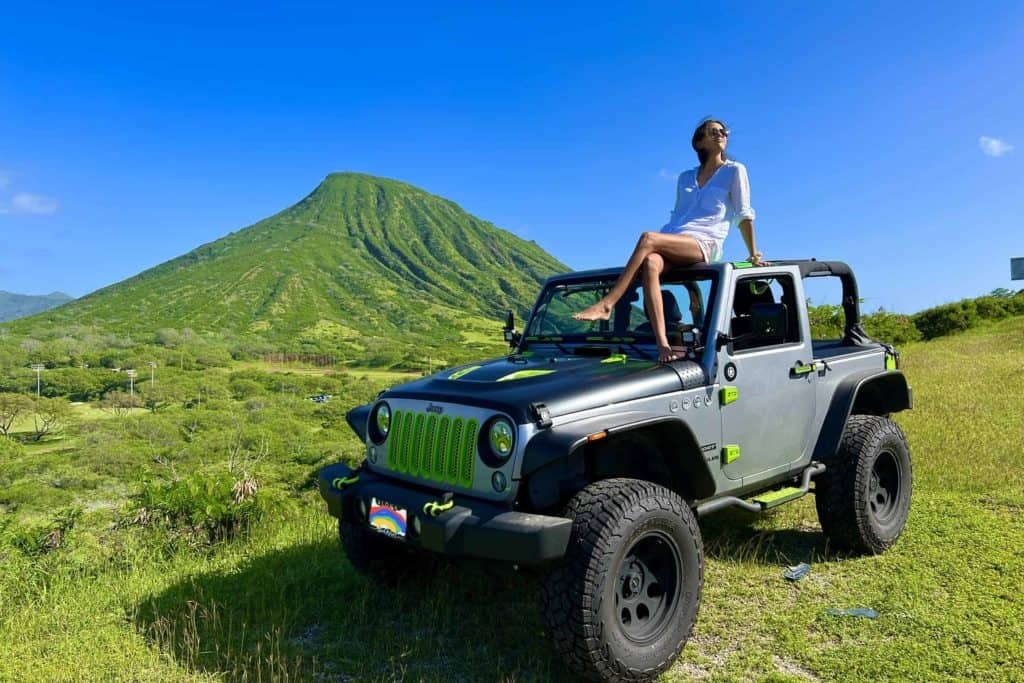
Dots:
{"x": 340, "y": 483}
{"x": 434, "y": 508}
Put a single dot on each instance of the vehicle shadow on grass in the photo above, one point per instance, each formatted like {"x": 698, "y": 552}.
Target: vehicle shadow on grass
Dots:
{"x": 301, "y": 613}
{"x": 737, "y": 536}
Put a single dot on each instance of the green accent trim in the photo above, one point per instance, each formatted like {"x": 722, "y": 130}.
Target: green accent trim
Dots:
{"x": 441, "y": 448}
{"x": 890, "y": 362}
{"x": 523, "y": 374}
{"x": 773, "y": 498}
{"x": 444, "y": 428}
{"x": 427, "y": 445}
{"x": 459, "y": 374}
{"x": 615, "y": 358}
{"x": 418, "y": 430}
{"x": 340, "y": 483}
{"x": 728, "y": 395}
{"x": 451, "y": 452}
{"x": 730, "y": 453}
{"x": 613, "y": 340}
{"x": 758, "y": 287}
{"x": 405, "y": 454}
{"x": 742, "y": 264}
{"x": 393, "y": 443}
{"x": 804, "y": 369}
{"x": 544, "y": 339}
{"x": 468, "y": 454}
{"x": 434, "y": 509}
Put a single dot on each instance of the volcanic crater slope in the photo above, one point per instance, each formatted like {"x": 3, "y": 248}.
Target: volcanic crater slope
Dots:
{"x": 360, "y": 257}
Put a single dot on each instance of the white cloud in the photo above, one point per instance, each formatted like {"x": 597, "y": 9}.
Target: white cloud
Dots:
{"x": 994, "y": 147}
{"x": 26, "y": 202}
{"x": 666, "y": 174}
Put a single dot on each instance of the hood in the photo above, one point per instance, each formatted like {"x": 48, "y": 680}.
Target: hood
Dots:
{"x": 562, "y": 382}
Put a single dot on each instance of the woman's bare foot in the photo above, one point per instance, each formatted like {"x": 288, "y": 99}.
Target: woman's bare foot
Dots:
{"x": 599, "y": 311}
{"x": 666, "y": 354}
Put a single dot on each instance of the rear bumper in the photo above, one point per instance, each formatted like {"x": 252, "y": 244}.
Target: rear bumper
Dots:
{"x": 470, "y": 528}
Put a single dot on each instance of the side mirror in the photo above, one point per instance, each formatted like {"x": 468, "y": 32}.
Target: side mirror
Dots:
{"x": 769, "y": 323}
{"x": 511, "y": 335}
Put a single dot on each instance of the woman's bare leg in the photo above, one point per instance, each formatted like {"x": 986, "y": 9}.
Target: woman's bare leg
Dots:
{"x": 679, "y": 250}
{"x": 654, "y": 266}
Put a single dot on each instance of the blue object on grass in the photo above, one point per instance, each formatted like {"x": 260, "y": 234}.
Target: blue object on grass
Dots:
{"x": 798, "y": 572}
{"x": 853, "y": 612}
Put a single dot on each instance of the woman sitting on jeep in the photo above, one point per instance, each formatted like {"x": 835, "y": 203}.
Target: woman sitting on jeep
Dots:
{"x": 709, "y": 199}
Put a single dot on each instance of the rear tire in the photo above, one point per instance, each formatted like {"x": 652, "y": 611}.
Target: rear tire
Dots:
{"x": 622, "y": 602}
{"x": 863, "y": 498}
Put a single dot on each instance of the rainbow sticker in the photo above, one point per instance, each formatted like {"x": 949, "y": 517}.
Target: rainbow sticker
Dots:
{"x": 386, "y": 518}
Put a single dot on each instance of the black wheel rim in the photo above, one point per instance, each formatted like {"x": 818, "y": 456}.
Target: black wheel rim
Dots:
{"x": 884, "y": 487}
{"x": 647, "y": 587}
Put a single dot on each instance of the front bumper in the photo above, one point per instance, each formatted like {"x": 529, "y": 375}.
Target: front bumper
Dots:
{"x": 470, "y": 528}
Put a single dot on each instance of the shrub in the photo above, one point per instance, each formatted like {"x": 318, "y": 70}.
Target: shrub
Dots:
{"x": 991, "y": 307}
{"x": 827, "y": 321}
{"x": 10, "y": 448}
{"x": 946, "y": 319}
{"x": 40, "y": 539}
{"x": 201, "y": 509}
{"x": 893, "y": 328}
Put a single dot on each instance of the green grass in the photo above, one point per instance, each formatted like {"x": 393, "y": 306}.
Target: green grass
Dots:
{"x": 283, "y": 604}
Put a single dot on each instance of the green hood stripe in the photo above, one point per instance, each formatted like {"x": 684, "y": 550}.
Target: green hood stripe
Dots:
{"x": 523, "y": 374}
{"x": 459, "y": 374}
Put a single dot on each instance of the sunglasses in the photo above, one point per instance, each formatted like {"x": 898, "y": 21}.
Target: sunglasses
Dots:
{"x": 717, "y": 133}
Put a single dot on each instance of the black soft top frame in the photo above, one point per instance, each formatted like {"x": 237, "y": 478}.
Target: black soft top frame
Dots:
{"x": 854, "y": 334}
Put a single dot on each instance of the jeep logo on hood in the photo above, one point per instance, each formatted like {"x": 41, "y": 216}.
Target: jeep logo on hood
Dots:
{"x": 431, "y": 408}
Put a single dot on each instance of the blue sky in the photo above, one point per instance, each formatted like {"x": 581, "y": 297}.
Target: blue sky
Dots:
{"x": 887, "y": 135}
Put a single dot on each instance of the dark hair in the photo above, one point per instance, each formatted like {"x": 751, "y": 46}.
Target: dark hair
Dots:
{"x": 699, "y": 134}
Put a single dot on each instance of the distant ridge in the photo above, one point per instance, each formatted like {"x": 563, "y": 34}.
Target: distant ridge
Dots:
{"x": 360, "y": 257}
{"x": 13, "y": 306}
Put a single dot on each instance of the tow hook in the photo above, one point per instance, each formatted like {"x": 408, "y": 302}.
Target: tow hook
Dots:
{"x": 340, "y": 483}
{"x": 434, "y": 508}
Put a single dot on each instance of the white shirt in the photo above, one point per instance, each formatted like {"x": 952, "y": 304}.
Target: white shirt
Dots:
{"x": 709, "y": 211}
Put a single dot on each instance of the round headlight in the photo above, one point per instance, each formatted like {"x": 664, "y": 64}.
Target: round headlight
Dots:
{"x": 380, "y": 422}
{"x": 501, "y": 437}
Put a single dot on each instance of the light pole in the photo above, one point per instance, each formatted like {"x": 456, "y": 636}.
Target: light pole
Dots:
{"x": 152, "y": 372}
{"x": 131, "y": 389}
{"x": 38, "y": 367}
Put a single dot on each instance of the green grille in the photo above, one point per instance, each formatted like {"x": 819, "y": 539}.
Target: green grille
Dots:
{"x": 419, "y": 427}
{"x": 438, "y": 448}
{"x": 467, "y": 452}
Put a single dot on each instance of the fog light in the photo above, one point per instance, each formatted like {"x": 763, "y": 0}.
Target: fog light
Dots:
{"x": 417, "y": 526}
{"x": 498, "y": 481}
{"x": 362, "y": 509}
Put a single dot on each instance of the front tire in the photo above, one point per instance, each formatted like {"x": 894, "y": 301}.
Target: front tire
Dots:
{"x": 374, "y": 556}
{"x": 863, "y": 498}
{"x": 622, "y": 602}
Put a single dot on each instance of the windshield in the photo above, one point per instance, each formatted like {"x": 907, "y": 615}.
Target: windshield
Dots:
{"x": 685, "y": 298}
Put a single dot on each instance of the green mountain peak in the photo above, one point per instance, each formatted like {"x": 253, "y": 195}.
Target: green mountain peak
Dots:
{"x": 360, "y": 258}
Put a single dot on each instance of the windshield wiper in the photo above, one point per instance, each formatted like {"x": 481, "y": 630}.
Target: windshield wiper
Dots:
{"x": 543, "y": 339}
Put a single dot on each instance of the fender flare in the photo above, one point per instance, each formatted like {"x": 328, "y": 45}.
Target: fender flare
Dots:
{"x": 564, "y": 441}
{"x": 357, "y": 419}
{"x": 869, "y": 392}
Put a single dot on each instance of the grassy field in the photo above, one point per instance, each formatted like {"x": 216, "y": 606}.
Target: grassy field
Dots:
{"x": 119, "y": 603}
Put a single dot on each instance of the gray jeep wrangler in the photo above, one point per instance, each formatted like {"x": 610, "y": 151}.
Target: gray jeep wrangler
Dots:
{"x": 580, "y": 452}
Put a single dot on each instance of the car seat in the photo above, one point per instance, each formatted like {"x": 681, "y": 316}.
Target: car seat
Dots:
{"x": 673, "y": 317}
{"x": 748, "y": 293}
